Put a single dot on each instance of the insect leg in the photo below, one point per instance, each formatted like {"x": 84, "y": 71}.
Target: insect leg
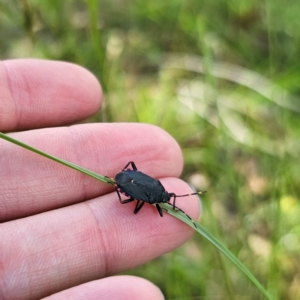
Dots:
{"x": 132, "y": 165}
{"x": 177, "y": 208}
{"x": 125, "y": 200}
{"x": 174, "y": 200}
{"x": 138, "y": 206}
{"x": 159, "y": 210}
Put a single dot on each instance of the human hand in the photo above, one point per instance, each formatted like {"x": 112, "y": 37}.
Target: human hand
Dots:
{"x": 61, "y": 230}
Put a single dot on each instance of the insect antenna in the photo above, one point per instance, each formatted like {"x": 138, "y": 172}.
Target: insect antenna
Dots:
{"x": 175, "y": 196}
{"x": 198, "y": 193}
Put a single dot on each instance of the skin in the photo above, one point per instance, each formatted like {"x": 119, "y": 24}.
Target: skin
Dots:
{"x": 62, "y": 233}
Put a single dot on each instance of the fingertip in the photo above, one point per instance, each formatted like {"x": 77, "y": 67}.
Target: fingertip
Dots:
{"x": 41, "y": 93}
{"x": 116, "y": 287}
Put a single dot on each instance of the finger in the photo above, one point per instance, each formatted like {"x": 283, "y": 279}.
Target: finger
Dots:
{"x": 56, "y": 250}
{"x": 30, "y": 184}
{"x": 37, "y": 93}
{"x": 117, "y": 287}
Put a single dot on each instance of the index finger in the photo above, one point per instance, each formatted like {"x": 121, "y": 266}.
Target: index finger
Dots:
{"x": 39, "y": 93}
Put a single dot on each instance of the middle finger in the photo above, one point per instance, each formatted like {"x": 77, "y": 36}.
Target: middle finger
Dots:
{"x": 30, "y": 184}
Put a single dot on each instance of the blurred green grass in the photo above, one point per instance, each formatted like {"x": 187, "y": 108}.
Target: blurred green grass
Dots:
{"x": 223, "y": 78}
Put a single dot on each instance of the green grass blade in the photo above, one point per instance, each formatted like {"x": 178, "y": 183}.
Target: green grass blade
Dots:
{"x": 201, "y": 230}
{"x": 54, "y": 158}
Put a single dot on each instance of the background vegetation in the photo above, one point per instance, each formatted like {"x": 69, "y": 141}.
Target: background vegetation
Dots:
{"x": 221, "y": 76}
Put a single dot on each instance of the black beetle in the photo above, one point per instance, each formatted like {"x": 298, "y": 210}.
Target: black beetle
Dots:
{"x": 143, "y": 188}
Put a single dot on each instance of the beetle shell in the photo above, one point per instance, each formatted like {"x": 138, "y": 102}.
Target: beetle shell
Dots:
{"x": 139, "y": 186}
